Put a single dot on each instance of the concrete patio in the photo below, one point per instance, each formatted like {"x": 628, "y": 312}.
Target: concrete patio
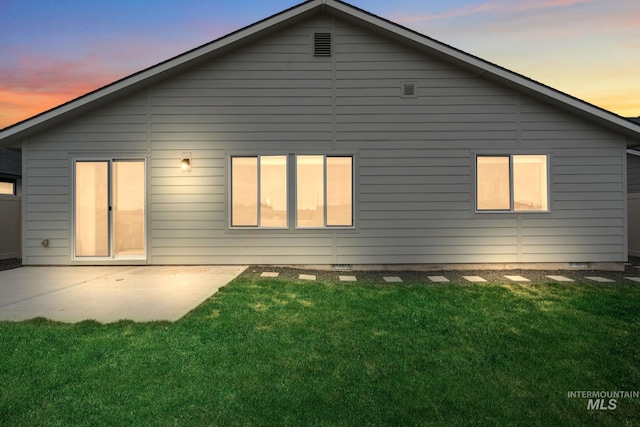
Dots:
{"x": 109, "y": 293}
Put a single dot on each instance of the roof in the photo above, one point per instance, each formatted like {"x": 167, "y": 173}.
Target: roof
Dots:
{"x": 10, "y": 163}
{"x": 13, "y": 134}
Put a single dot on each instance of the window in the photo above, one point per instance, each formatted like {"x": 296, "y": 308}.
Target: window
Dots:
{"x": 324, "y": 191}
{"x": 512, "y": 183}
{"x": 7, "y": 187}
{"x": 323, "y": 196}
{"x": 259, "y": 191}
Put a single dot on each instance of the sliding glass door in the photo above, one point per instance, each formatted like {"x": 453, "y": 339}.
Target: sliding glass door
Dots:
{"x": 109, "y": 214}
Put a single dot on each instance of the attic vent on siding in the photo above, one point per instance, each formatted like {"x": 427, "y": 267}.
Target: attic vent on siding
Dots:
{"x": 322, "y": 44}
{"x": 409, "y": 90}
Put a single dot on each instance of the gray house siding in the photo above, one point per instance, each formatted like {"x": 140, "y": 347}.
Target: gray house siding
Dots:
{"x": 633, "y": 173}
{"x": 119, "y": 130}
{"x": 414, "y": 159}
{"x": 633, "y": 187}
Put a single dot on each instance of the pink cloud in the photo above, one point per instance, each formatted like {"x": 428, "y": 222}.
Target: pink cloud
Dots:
{"x": 544, "y": 4}
{"x": 49, "y": 75}
{"x": 33, "y": 82}
{"x": 455, "y": 13}
{"x": 499, "y": 7}
{"x": 36, "y": 83}
{"x": 16, "y": 106}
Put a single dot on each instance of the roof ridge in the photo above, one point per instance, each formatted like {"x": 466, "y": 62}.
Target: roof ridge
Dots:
{"x": 339, "y": 8}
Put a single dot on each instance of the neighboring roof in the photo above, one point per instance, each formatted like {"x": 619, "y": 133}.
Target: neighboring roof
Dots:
{"x": 13, "y": 134}
{"x": 636, "y": 150}
{"x": 10, "y": 164}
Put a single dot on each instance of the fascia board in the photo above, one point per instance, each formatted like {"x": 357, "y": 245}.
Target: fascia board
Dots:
{"x": 476, "y": 65}
{"x": 157, "y": 72}
{"x": 490, "y": 71}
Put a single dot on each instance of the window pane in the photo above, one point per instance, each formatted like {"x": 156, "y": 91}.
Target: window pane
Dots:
{"x": 92, "y": 209}
{"x": 128, "y": 207}
{"x": 244, "y": 191}
{"x": 530, "y": 183}
{"x": 310, "y": 191}
{"x": 7, "y": 188}
{"x": 273, "y": 191}
{"x": 493, "y": 183}
{"x": 339, "y": 191}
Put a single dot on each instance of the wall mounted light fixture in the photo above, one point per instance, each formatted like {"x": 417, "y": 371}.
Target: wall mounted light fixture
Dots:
{"x": 185, "y": 162}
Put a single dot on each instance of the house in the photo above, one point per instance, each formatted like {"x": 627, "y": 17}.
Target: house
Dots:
{"x": 326, "y": 136}
{"x": 633, "y": 168}
{"x": 10, "y": 190}
{"x": 633, "y": 164}
{"x": 10, "y": 172}
{"x": 633, "y": 195}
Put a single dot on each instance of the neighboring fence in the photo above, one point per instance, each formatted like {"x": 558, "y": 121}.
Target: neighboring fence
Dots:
{"x": 10, "y": 226}
{"x": 634, "y": 223}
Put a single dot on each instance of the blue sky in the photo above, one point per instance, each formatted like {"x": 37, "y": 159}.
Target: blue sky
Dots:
{"x": 54, "y": 51}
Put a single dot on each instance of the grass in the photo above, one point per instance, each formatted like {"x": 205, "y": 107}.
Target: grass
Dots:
{"x": 279, "y": 352}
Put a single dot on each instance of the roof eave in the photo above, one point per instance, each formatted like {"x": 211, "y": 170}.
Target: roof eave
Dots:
{"x": 12, "y": 135}
{"x": 491, "y": 71}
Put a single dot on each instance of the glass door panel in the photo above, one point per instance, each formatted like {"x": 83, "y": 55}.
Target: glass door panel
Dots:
{"x": 310, "y": 191}
{"x": 128, "y": 208}
{"x": 92, "y": 209}
{"x": 109, "y": 208}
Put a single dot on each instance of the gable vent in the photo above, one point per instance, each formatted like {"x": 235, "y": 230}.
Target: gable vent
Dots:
{"x": 322, "y": 44}
{"x": 409, "y": 90}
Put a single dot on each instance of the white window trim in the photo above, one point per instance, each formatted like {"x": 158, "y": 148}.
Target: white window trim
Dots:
{"x": 511, "y": 209}
{"x": 112, "y": 257}
{"x": 292, "y": 208}
{"x": 324, "y": 167}
{"x": 258, "y": 172}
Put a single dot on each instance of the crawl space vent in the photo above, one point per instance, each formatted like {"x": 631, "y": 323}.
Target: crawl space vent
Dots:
{"x": 579, "y": 264}
{"x": 322, "y": 44}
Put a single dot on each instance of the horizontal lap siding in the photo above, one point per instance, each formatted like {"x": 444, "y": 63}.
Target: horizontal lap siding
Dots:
{"x": 414, "y": 159}
{"x": 415, "y": 201}
{"x": 118, "y": 129}
{"x": 634, "y": 224}
{"x": 633, "y": 173}
{"x": 633, "y": 177}
{"x": 415, "y": 172}
{"x": 586, "y": 223}
{"x": 270, "y": 97}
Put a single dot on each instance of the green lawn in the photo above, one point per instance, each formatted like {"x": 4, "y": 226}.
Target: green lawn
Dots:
{"x": 280, "y": 352}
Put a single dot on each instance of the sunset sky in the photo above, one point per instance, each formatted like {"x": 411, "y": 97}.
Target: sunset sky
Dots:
{"x": 54, "y": 51}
